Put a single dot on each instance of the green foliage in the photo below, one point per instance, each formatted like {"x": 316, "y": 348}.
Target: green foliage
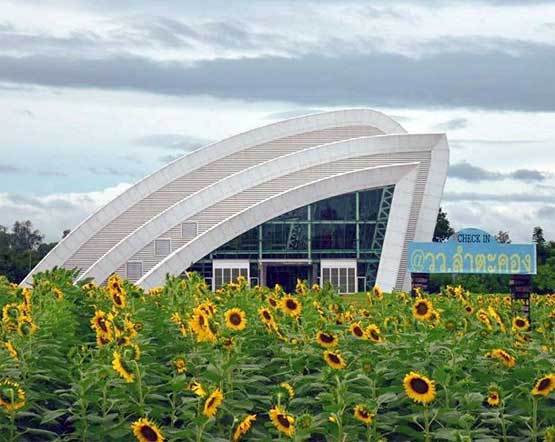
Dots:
{"x": 74, "y": 393}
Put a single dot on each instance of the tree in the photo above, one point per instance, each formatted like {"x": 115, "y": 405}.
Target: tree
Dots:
{"x": 443, "y": 230}
{"x": 503, "y": 237}
{"x": 541, "y": 249}
{"x": 24, "y": 237}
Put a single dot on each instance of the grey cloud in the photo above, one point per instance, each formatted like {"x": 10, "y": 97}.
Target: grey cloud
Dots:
{"x": 528, "y": 175}
{"x": 491, "y": 80}
{"x": 172, "y": 141}
{"x": 6, "y": 169}
{"x": 547, "y": 212}
{"x": 454, "y": 124}
{"x": 36, "y": 203}
{"x": 468, "y": 172}
{"x": 504, "y": 198}
{"x": 110, "y": 171}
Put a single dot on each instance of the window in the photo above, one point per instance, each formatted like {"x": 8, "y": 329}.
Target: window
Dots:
{"x": 189, "y": 230}
{"x": 369, "y": 204}
{"x": 338, "y": 208}
{"x": 284, "y": 237}
{"x": 333, "y": 236}
{"x": 340, "y": 274}
{"x": 162, "y": 247}
{"x": 134, "y": 270}
{"x": 226, "y": 271}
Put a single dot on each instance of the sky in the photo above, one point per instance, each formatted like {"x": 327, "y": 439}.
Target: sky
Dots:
{"x": 96, "y": 94}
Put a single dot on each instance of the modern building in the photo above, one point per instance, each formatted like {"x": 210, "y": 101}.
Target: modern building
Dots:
{"x": 333, "y": 197}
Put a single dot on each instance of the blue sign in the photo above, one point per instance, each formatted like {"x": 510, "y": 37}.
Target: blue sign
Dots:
{"x": 472, "y": 251}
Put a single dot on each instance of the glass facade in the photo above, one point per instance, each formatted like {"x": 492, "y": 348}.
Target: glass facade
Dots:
{"x": 350, "y": 226}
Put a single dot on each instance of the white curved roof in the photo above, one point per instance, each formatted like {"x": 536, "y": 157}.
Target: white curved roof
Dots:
{"x": 215, "y": 183}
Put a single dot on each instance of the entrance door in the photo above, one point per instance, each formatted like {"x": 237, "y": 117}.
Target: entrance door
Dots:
{"x": 286, "y": 275}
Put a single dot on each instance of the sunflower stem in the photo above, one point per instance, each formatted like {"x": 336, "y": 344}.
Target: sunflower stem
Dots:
{"x": 534, "y": 419}
{"x": 427, "y": 435}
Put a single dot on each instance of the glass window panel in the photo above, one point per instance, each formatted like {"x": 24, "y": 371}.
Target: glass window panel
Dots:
{"x": 218, "y": 273}
{"x": 284, "y": 237}
{"x": 338, "y": 208}
{"x": 333, "y": 236}
{"x": 243, "y": 272}
{"x": 247, "y": 242}
{"x": 366, "y": 235}
{"x": 234, "y": 274}
{"x": 325, "y": 274}
{"x": 351, "y": 280}
{"x": 227, "y": 276}
{"x": 300, "y": 214}
{"x": 162, "y": 247}
{"x": 369, "y": 204}
{"x": 343, "y": 280}
{"x": 334, "y": 277}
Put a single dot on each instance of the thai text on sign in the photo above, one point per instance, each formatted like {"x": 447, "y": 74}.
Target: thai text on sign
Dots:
{"x": 472, "y": 251}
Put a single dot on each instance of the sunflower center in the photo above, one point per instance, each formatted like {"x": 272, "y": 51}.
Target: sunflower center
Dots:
{"x": 291, "y": 305}
{"x": 520, "y": 323}
{"x": 422, "y": 308}
{"x": 363, "y": 413}
{"x": 235, "y": 318}
{"x": 102, "y": 325}
{"x": 544, "y": 384}
{"x": 266, "y": 315}
{"x": 334, "y": 358}
{"x": 375, "y": 335}
{"x": 326, "y": 338}
{"x": 201, "y": 320}
{"x": 117, "y": 299}
{"x": 149, "y": 434}
{"x": 210, "y": 402}
{"x": 282, "y": 419}
{"x": 419, "y": 385}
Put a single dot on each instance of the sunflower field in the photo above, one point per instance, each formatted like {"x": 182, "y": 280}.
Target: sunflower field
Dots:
{"x": 180, "y": 363}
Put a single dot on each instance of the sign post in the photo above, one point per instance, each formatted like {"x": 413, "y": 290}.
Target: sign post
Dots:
{"x": 475, "y": 251}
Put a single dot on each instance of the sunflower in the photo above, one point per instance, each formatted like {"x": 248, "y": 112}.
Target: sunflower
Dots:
{"x": 496, "y": 318}
{"x": 469, "y": 309}
{"x": 116, "y": 291}
{"x": 494, "y": 398}
{"x": 101, "y": 324}
{"x": 357, "y": 331}
{"x": 58, "y": 293}
{"x": 180, "y": 365}
{"x": 282, "y": 421}
{"x": 26, "y": 327}
{"x": 327, "y": 340}
{"x": 378, "y": 293}
{"x": 213, "y": 402}
{"x": 334, "y": 360}
{"x": 11, "y": 349}
{"x": 520, "y": 324}
{"x": 373, "y": 332}
{"x": 244, "y": 427}
{"x": 422, "y": 309}
{"x": 267, "y": 318}
{"x": 291, "y": 306}
{"x": 419, "y": 388}
{"x": 289, "y": 388}
{"x": 146, "y": 431}
{"x": 196, "y": 388}
{"x": 208, "y": 308}
{"x": 484, "y": 318}
{"x": 122, "y": 367}
{"x": 502, "y": 356}
{"x": 362, "y": 413}
{"x": 11, "y": 312}
{"x": 544, "y": 385}
{"x": 12, "y": 396}
{"x": 235, "y": 319}
{"x": 273, "y": 302}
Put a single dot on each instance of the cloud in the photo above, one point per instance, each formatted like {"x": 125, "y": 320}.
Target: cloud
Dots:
{"x": 54, "y": 213}
{"x": 468, "y": 172}
{"x": 490, "y": 78}
{"x": 6, "y": 169}
{"x": 172, "y": 141}
{"x": 111, "y": 171}
{"x": 454, "y": 124}
{"x": 506, "y": 197}
{"x": 15, "y": 170}
{"x": 547, "y": 212}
